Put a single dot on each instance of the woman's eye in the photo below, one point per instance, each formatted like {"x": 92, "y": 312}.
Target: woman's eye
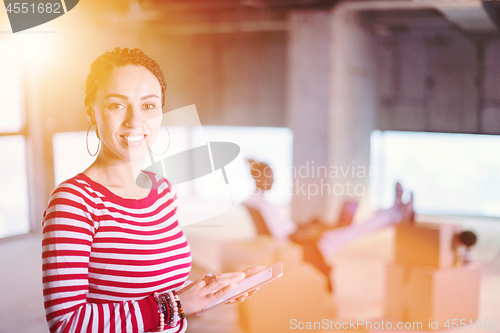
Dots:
{"x": 149, "y": 106}
{"x": 115, "y": 106}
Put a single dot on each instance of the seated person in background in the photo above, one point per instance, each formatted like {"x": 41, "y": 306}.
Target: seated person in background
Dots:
{"x": 317, "y": 239}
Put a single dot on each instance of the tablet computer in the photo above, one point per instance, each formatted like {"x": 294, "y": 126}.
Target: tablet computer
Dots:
{"x": 248, "y": 284}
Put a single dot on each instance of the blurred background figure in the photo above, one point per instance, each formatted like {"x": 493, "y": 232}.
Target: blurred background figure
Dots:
{"x": 318, "y": 239}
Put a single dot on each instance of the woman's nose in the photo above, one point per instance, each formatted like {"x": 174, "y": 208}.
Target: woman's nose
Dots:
{"x": 133, "y": 118}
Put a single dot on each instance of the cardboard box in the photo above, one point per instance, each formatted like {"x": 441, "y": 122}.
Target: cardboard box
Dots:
{"x": 428, "y": 244}
{"x": 422, "y": 293}
{"x": 442, "y": 294}
{"x": 396, "y": 283}
{"x": 299, "y": 295}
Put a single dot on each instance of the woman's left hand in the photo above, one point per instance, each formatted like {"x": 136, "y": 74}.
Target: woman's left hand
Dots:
{"x": 248, "y": 272}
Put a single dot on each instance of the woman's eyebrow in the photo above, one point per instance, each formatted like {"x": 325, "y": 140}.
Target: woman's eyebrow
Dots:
{"x": 117, "y": 95}
{"x": 125, "y": 97}
{"x": 149, "y": 96}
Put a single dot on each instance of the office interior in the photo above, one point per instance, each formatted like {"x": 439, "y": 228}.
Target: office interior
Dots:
{"x": 409, "y": 89}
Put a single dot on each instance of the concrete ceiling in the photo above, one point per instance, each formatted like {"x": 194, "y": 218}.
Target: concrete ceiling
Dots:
{"x": 469, "y": 15}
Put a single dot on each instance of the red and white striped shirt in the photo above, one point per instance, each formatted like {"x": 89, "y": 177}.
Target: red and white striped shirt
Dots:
{"x": 104, "y": 256}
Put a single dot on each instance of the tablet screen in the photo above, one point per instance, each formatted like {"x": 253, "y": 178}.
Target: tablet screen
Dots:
{"x": 244, "y": 286}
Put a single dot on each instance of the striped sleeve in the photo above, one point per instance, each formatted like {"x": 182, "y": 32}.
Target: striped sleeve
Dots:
{"x": 68, "y": 231}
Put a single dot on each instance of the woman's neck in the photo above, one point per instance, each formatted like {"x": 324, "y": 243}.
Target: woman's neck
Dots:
{"x": 115, "y": 172}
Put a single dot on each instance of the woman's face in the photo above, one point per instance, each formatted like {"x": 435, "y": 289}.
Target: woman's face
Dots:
{"x": 128, "y": 112}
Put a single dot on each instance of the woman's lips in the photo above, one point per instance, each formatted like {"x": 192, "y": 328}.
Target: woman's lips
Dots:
{"x": 134, "y": 140}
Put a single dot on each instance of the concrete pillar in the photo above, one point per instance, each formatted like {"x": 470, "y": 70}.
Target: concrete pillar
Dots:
{"x": 331, "y": 104}
{"x": 352, "y": 108}
{"x": 307, "y": 106}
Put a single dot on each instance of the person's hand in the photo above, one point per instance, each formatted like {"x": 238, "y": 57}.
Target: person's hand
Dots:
{"x": 248, "y": 272}
{"x": 197, "y": 295}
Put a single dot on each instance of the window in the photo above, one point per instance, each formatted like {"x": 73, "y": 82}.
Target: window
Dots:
{"x": 14, "y": 206}
{"x": 450, "y": 174}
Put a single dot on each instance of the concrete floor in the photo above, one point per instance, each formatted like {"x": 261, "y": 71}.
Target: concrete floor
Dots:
{"x": 359, "y": 280}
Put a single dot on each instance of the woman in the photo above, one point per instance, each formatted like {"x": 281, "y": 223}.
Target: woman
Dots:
{"x": 318, "y": 240}
{"x": 109, "y": 244}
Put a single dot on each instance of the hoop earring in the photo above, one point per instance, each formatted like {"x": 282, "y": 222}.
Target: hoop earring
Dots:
{"x": 87, "y": 140}
{"x": 149, "y": 148}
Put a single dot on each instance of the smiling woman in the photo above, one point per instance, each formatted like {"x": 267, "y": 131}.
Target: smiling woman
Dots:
{"x": 114, "y": 256}
{"x": 124, "y": 98}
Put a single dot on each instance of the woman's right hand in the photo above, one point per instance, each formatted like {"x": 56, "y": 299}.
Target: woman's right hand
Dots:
{"x": 197, "y": 295}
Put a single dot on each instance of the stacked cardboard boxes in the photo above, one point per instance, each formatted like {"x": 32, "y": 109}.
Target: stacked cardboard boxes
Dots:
{"x": 425, "y": 284}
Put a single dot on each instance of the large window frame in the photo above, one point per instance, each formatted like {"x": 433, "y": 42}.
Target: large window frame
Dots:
{"x": 25, "y": 133}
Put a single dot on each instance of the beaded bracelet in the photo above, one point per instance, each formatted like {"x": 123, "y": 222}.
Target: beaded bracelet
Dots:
{"x": 165, "y": 299}
{"x": 179, "y": 305}
{"x": 166, "y": 312}
{"x": 161, "y": 325}
{"x": 169, "y": 309}
{"x": 174, "y": 307}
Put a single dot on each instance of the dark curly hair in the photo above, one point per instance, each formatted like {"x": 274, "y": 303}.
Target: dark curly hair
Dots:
{"x": 104, "y": 64}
